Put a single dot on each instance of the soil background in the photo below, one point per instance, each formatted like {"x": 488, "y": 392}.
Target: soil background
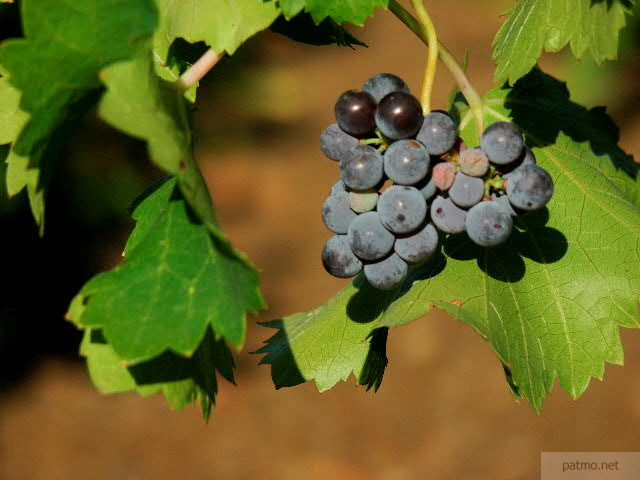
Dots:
{"x": 444, "y": 410}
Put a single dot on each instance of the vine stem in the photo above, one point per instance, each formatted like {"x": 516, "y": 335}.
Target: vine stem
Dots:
{"x": 473, "y": 98}
{"x": 429, "y": 31}
{"x": 198, "y": 70}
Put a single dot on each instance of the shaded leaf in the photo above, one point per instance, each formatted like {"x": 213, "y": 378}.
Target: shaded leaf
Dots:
{"x": 303, "y": 29}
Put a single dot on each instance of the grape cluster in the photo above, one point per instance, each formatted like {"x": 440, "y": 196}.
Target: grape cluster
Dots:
{"x": 406, "y": 175}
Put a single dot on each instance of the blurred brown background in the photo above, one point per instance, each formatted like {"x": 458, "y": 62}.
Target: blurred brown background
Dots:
{"x": 444, "y": 410}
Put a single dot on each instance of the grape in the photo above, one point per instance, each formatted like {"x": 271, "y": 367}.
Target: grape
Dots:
{"x": 529, "y": 187}
{"x": 488, "y": 224}
{"x": 447, "y": 216}
{"x": 443, "y": 175}
{"x": 399, "y": 115}
{"x": 338, "y": 258}
{"x": 418, "y": 247}
{"x": 382, "y": 84}
{"x": 388, "y": 273}
{"x": 362, "y": 202}
{"x": 502, "y": 142}
{"x": 363, "y": 168}
{"x": 438, "y": 133}
{"x": 337, "y": 214}
{"x": 335, "y": 143}
{"x": 368, "y": 238}
{"x": 406, "y": 162}
{"x": 355, "y": 112}
{"x": 473, "y": 162}
{"x": 427, "y": 188}
{"x": 402, "y": 209}
{"x": 339, "y": 186}
{"x": 466, "y": 191}
{"x": 528, "y": 157}
{"x": 504, "y": 202}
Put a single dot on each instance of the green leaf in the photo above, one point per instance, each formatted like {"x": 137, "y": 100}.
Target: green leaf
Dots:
{"x": 176, "y": 281}
{"x": 291, "y": 8}
{"x": 533, "y": 25}
{"x": 550, "y": 301}
{"x": 352, "y": 11}
{"x": 303, "y": 29}
{"x": 221, "y": 24}
{"x": 58, "y": 77}
{"x": 12, "y": 118}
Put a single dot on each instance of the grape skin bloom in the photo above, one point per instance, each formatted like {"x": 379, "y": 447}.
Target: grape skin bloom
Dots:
{"x": 502, "y": 142}
{"x": 402, "y": 209}
{"x": 338, "y": 259}
{"x": 488, "y": 224}
{"x": 406, "y": 162}
{"x": 363, "y": 168}
{"x": 368, "y": 237}
{"x": 438, "y": 133}
{"x": 466, "y": 191}
{"x": 335, "y": 143}
{"x": 388, "y": 273}
{"x": 447, "y": 216}
{"x": 382, "y": 84}
{"x": 337, "y": 213}
{"x": 418, "y": 247}
{"x": 529, "y": 187}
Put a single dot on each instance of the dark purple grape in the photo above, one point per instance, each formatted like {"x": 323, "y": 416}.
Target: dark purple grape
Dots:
{"x": 406, "y": 162}
{"x": 388, "y": 273}
{"x": 502, "y": 142}
{"x": 402, "y": 209}
{"x": 382, "y": 84}
{"x": 335, "y": 143}
{"x": 338, "y": 259}
{"x": 337, "y": 214}
{"x": 363, "y": 168}
{"x": 473, "y": 162}
{"x": 399, "y": 115}
{"x": 466, "y": 191}
{"x": 488, "y": 224}
{"x": 419, "y": 246}
{"x": 447, "y": 216}
{"x": 438, "y": 133}
{"x": 529, "y": 187}
{"x": 368, "y": 238}
{"x": 355, "y": 112}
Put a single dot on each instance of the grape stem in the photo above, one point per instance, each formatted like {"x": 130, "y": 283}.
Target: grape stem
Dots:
{"x": 198, "y": 70}
{"x": 429, "y": 31}
{"x": 473, "y": 98}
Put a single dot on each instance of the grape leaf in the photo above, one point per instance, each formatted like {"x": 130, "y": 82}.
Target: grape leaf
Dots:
{"x": 97, "y": 33}
{"x": 11, "y": 117}
{"x": 533, "y": 25}
{"x": 550, "y": 301}
{"x": 177, "y": 280}
{"x": 352, "y": 11}
{"x": 291, "y": 8}
{"x": 302, "y": 29}
{"x": 221, "y": 24}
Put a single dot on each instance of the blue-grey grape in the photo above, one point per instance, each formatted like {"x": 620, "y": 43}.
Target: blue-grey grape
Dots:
{"x": 355, "y": 112}
{"x": 438, "y": 133}
{"x": 402, "y": 209}
{"x": 337, "y": 214}
{"x": 419, "y": 246}
{"x": 339, "y": 186}
{"x": 363, "y": 168}
{"x": 466, "y": 191}
{"x": 473, "y": 162}
{"x": 399, "y": 115}
{"x": 382, "y": 84}
{"x": 528, "y": 157}
{"x": 488, "y": 224}
{"x": 529, "y": 187}
{"x": 388, "y": 273}
{"x": 504, "y": 202}
{"x": 447, "y": 216}
{"x": 335, "y": 143}
{"x": 362, "y": 202}
{"x": 338, "y": 259}
{"x": 427, "y": 188}
{"x": 502, "y": 142}
{"x": 406, "y": 162}
{"x": 368, "y": 238}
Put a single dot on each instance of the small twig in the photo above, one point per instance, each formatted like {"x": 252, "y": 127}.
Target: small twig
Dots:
{"x": 429, "y": 31}
{"x": 198, "y": 70}
{"x": 473, "y": 99}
